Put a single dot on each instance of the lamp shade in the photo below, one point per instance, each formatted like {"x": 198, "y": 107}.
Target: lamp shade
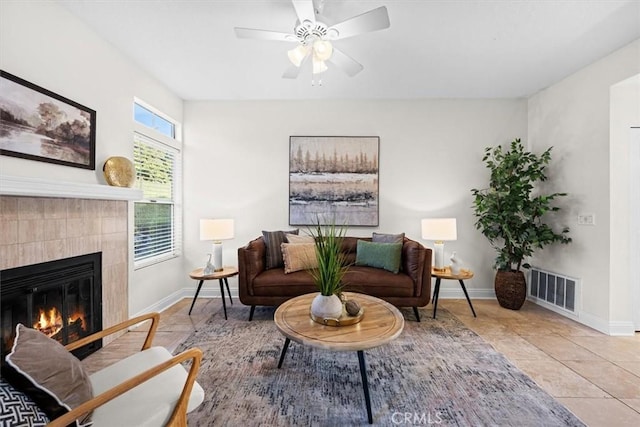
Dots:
{"x": 322, "y": 50}
{"x": 439, "y": 229}
{"x": 216, "y": 229}
{"x": 298, "y": 54}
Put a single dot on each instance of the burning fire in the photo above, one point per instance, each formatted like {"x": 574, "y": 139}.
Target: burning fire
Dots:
{"x": 50, "y": 321}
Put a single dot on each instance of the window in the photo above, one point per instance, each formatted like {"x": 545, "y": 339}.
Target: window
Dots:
{"x": 145, "y": 116}
{"x": 157, "y": 158}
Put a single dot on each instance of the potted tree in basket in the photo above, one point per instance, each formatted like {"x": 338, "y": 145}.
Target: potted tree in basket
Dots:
{"x": 511, "y": 215}
{"x": 331, "y": 269}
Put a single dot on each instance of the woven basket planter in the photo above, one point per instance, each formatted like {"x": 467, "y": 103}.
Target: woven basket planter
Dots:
{"x": 511, "y": 289}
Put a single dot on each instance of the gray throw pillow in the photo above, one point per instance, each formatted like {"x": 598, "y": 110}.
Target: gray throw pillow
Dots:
{"x": 379, "y": 255}
{"x": 272, "y": 241}
{"x": 387, "y": 238}
{"x": 45, "y": 371}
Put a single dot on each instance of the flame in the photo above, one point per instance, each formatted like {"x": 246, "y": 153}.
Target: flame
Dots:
{"x": 50, "y": 321}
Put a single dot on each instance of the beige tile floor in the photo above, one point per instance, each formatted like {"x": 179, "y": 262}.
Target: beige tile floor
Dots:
{"x": 594, "y": 375}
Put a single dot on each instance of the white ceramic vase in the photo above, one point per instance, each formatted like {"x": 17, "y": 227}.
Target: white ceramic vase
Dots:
{"x": 456, "y": 264}
{"x": 326, "y": 307}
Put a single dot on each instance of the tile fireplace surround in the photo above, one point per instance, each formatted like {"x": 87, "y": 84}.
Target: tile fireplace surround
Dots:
{"x": 39, "y": 229}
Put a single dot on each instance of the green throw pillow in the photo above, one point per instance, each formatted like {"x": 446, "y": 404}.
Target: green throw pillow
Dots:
{"x": 379, "y": 255}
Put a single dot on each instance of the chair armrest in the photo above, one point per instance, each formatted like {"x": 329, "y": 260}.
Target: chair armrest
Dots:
{"x": 154, "y": 317}
{"x": 178, "y": 417}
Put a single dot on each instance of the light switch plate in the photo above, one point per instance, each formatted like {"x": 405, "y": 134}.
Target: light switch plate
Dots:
{"x": 587, "y": 219}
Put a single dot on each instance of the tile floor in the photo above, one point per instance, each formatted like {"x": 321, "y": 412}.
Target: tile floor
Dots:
{"x": 594, "y": 375}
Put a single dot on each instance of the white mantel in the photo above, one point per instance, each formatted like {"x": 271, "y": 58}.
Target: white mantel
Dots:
{"x": 38, "y": 187}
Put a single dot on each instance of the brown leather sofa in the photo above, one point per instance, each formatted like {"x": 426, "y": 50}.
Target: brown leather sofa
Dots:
{"x": 411, "y": 287}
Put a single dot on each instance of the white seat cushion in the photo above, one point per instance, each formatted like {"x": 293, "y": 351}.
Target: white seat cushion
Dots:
{"x": 149, "y": 404}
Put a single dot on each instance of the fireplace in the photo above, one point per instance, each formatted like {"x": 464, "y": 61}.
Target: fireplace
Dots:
{"x": 61, "y": 298}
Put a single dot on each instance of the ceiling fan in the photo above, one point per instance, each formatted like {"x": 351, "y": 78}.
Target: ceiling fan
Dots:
{"x": 315, "y": 37}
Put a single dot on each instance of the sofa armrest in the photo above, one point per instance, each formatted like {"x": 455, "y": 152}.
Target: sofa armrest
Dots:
{"x": 416, "y": 262}
{"x": 251, "y": 262}
{"x": 178, "y": 417}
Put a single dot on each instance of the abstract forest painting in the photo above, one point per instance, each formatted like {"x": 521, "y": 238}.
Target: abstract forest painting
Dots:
{"x": 37, "y": 124}
{"x": 333, "y": 179}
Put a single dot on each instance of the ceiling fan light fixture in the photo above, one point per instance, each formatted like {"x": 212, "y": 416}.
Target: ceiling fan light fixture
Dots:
{"x": 319, "y": 66}
{"x": 322, "y": 49}
{"x": 297, "y": 54}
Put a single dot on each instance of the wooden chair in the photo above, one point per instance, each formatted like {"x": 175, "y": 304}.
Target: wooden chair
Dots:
{"x": 147, "y": 388}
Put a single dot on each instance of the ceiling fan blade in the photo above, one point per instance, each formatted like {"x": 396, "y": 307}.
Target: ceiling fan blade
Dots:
{"x": 373, "y": 20}
{"x": 304, "y": 10}
{"x": 292, "y": 72}
{"x": 345, "y": 62}
{"x": 252, "y": 33}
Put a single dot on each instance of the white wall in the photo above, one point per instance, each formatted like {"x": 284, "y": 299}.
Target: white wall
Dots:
{"x": 237, "y": 154}
{"x": 573, "y": 116}
{"x": 43, "y": 43}
{"x": 625, "y": 289}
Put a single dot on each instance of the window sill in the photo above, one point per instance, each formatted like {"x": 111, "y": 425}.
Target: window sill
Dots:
{"x": 138, "y": 265}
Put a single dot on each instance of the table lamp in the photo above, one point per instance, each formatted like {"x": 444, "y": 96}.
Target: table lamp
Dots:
{"x": 439, "y": 230}
{"x": 216, "y": 230}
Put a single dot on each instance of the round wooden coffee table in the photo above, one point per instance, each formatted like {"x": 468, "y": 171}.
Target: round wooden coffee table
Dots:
{"x": 380, "y": 324}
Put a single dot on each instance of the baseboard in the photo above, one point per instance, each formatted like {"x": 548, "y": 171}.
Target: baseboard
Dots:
{"x": 622, "y": 329}
{"x": 457, "y": 293}
{"x": 613, "y": 328}
{"x": 188, "y": 292}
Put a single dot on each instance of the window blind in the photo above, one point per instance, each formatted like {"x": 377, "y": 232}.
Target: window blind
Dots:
{"x": 156, "y": 225}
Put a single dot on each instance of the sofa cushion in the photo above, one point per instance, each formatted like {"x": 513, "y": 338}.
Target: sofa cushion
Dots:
{"x": 387, "y": 238}
{"x": 49, "y": 374}
{"x": 368, "y": 280}
{"x": 378, "y": 282}
{"x": 275, "y": 283}
{"x": 299, "y": 256}
{"x": 294, "y": 238}
{"x": 17, "y": 409}
{"x": 272, "y": 241}
{"x": 379, "y": 255}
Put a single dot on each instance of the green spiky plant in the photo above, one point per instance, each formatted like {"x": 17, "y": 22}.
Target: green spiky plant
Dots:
{"x": 508, "y": 213}
{"x": 332, "y": 264}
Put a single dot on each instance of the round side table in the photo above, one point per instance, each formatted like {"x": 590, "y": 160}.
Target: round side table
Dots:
{"x": 447, "y": 275}
{"x": 222, "y": 276}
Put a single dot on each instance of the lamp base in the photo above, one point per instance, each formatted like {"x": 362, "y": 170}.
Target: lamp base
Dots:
{"x": 438, "y": 249}
{"x": 217, "y": 256}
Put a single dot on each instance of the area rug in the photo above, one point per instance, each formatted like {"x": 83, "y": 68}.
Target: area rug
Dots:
{"x": 438, "y": 372}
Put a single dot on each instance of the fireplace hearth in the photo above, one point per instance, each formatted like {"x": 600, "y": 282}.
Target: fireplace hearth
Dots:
{"x": 61, "y": 298}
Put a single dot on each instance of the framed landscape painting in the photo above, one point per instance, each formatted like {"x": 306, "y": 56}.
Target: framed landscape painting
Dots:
{"x": 333, "y": 179}
{"x": 38, "y": 124}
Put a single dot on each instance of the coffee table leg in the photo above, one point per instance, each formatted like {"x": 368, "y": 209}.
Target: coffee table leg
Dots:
{"x": 224, "y": 304}
{"x": 365, "y": 384}
{"x": 195, "y": 297}
{"x": 284, "y": 351}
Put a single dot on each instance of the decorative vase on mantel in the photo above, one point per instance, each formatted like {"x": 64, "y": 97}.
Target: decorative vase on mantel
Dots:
{"x": 326, "y": 306}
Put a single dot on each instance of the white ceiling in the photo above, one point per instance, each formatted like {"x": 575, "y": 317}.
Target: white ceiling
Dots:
{"x": 433, "y": 49}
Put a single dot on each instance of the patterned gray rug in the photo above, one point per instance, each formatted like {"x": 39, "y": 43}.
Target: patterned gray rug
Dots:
{"x": 437, "y": 372}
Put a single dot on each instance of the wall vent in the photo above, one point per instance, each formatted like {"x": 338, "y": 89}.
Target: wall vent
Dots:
{"x": 554, "y": 290}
